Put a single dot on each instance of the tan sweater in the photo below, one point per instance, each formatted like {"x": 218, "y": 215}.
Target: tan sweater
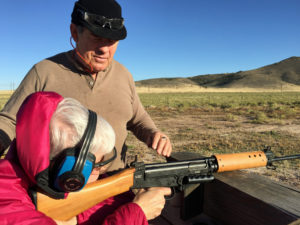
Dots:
{"x": 112, "y": 96}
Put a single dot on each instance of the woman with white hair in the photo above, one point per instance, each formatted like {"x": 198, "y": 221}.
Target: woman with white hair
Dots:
{"x": 53, "y": 133}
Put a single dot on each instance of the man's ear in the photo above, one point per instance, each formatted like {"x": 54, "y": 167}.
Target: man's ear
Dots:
{"x": 74, "y": 32}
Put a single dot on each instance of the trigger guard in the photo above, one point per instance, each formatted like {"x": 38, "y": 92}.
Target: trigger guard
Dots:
{"x": 169, "y": 197}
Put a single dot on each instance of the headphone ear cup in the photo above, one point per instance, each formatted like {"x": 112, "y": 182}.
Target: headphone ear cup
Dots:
{"x": 71, "y": 181}
{"x": 68, "y": 180}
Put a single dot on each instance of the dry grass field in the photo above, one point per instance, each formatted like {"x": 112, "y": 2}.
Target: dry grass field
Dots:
{"x": 4, "y": 95}
{"x": 223, "y": 122}
{"x": 196, "y": 88}
{"x": 226, "y": 122}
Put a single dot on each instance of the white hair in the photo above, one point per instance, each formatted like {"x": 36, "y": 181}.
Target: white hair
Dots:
{"x": 68, "y": 124}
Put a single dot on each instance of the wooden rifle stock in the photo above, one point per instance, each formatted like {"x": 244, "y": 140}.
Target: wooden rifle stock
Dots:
{"x": 89, "y": 196}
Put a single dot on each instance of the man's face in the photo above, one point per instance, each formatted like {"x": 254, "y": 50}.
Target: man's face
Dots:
{"x": 97, "y": 51}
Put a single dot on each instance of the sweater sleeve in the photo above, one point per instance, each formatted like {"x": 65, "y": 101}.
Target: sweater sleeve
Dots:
{"x": 141, "y": 123}
{"x": 128, "y": 214}
{"x": 30, "y": 84}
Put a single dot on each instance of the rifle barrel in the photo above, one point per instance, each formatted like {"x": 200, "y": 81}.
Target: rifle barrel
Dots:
{"x": 285, "y": 158}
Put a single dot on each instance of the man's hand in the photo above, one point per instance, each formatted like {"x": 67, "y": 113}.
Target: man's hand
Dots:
{"x": 152, "y": 200}
{"x": 161, "y": 143}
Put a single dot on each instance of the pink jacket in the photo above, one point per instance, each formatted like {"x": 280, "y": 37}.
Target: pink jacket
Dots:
{"x": 29, "y": 156}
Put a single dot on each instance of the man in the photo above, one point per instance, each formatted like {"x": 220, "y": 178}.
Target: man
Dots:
{"x": 90, "y": 75}
{"x": 50, "y": 127}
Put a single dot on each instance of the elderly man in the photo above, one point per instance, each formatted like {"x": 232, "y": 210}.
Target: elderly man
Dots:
{"x": 89, "y": 74}
{"x": 59, "y": 147}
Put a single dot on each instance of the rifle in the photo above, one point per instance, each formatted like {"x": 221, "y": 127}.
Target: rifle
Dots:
{"x": 171, "y": 174}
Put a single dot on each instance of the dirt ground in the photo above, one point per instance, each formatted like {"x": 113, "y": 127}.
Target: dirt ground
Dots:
{"x": 209, "y": 133}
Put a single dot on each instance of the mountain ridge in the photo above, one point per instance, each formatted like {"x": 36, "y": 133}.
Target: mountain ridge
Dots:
{"x": 285, "y": 72}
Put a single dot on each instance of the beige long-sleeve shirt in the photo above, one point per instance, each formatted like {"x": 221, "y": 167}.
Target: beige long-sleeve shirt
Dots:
{"x": 112, "y": 95}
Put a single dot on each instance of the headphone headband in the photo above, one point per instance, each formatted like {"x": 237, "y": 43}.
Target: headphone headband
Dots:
{"x": 86, "y": 142}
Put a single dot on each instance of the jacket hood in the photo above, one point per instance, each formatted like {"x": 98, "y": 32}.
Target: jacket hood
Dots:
{"x": 32, "y": 132}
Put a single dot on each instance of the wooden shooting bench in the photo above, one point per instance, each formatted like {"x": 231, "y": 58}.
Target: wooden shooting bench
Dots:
{"x": 233, "y": 198}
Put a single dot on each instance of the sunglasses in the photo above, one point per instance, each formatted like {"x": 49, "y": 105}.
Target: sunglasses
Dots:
{"x": 101, "y": 21}
{"x": 102, "y": 163}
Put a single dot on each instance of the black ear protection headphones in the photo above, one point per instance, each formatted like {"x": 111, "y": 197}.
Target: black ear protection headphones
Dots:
{"x": 74, "y": 165}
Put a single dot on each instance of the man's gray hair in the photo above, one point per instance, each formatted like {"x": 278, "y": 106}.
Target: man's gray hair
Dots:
{"x": 68, "y": 124}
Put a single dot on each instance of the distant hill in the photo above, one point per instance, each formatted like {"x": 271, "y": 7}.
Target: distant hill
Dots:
{"x": 285, "y": 72}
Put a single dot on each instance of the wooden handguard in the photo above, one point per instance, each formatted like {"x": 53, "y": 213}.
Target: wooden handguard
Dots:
{"x": 238, "y": 161}
{"x": 89, "y": 196}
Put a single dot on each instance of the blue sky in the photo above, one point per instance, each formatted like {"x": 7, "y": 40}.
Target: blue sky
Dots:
{"x": 166, "y": 38}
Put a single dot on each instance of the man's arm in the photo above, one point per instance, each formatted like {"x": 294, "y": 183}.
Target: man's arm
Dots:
{"x": 30, "y": 84}
{"x": 145, "y": 129}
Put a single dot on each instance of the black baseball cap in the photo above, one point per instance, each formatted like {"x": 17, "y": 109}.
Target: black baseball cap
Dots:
{"x": 102, "y": 17}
